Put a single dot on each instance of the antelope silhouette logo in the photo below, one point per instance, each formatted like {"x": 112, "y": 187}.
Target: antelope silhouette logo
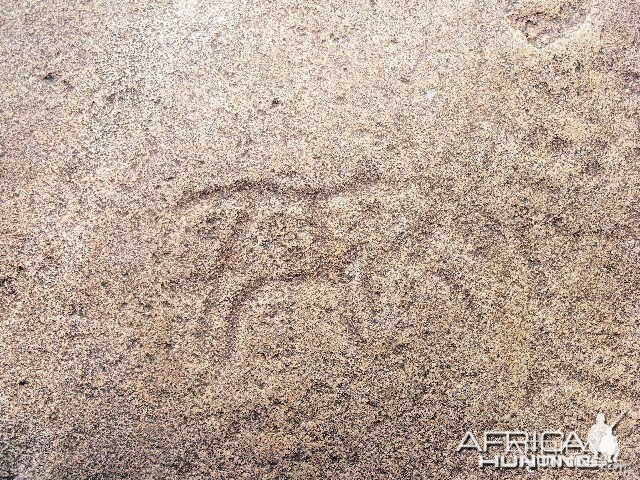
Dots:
{"x": 601, "y": 439}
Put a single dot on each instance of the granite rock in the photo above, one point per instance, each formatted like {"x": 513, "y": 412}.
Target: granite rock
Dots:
{"x": 305, "y": 240}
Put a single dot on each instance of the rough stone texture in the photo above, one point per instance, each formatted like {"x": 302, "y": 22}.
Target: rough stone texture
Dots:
{"x": 251, "y": 239}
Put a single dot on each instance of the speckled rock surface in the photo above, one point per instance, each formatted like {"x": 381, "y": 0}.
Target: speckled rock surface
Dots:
{"x": 306, "y": 240}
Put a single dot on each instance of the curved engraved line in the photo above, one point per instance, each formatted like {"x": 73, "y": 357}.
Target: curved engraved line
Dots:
{"x": 226, "y": 254}
{"x": 354, "y": 184}
{"x": 245, "y": 293}
{"x": 563, "y": 27}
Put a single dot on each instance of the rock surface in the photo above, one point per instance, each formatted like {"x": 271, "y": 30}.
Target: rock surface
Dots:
{"x": 268, "y": 240}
